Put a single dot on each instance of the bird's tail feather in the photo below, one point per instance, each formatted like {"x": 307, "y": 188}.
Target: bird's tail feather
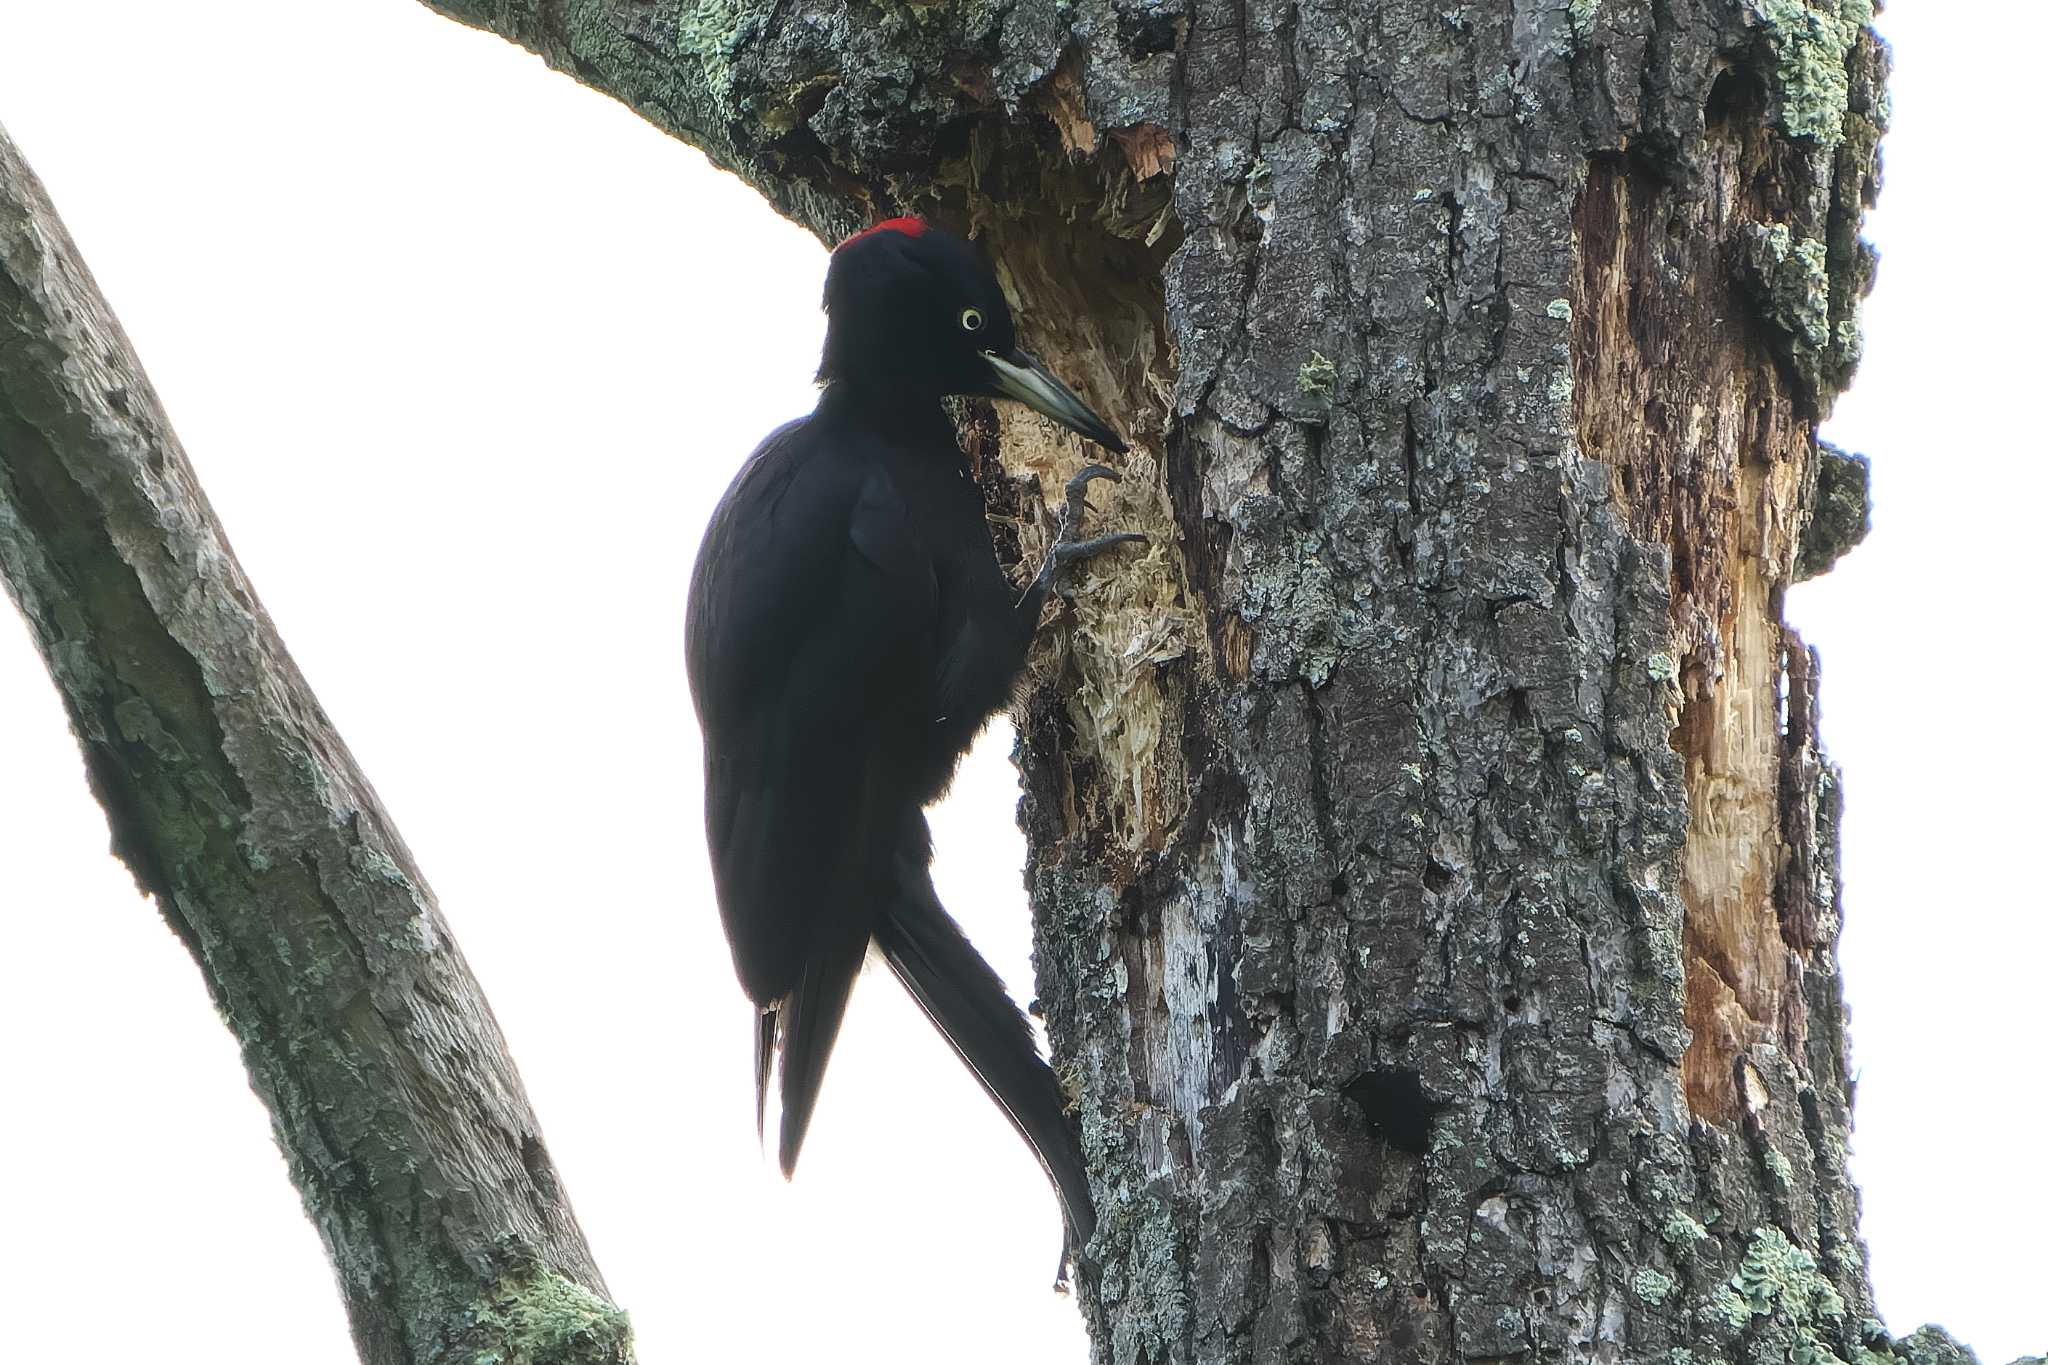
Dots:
{"x": 809, "y": 1023}
{"x": 764, "y": 1064}
{"x": 965, "y": 999}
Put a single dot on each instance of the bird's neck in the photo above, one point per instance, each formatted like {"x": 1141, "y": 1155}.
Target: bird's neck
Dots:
{"x": 892, "y": 411}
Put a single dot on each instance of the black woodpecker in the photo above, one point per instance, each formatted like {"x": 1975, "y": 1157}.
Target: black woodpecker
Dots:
{"x": 849, "y": 633}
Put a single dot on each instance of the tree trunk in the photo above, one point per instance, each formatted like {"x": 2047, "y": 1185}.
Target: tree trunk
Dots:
{"x": 235, "y": 805}
{"x": 1433, "y": 853}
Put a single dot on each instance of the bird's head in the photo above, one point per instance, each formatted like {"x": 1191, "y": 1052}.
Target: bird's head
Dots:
{"x": 914, "y": 313}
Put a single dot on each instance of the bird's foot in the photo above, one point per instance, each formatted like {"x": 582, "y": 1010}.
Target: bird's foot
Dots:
{"x": 1068, "y": 547}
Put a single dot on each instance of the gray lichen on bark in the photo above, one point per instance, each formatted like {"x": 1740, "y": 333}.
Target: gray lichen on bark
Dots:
{"x": 1841, "y": 510}
{"x": 235, "y": 805}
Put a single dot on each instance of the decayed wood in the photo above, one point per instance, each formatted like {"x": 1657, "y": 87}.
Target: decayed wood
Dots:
{"x": 236, "y": 806}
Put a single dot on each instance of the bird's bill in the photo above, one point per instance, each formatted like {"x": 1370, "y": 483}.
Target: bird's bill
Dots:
{"x": 1020, "y": 376}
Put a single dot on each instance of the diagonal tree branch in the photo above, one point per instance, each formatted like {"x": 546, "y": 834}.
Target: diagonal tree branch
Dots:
{"x": 235, "y": 804}
{"x": 833, "y": 112}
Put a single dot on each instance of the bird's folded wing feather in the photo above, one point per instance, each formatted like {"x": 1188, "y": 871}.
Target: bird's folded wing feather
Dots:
{"x": 809, "y": 612}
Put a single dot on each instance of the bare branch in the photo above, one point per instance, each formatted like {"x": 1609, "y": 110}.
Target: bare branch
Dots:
{"x": 820, "y": 110}
{"x": 235, "y": 804}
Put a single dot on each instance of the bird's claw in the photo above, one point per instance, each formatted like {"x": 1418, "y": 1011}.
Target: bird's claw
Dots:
{"x": 1077, "y": 494}
{"x": 1068, "y": 548}
{"x": 1067, "y": 552}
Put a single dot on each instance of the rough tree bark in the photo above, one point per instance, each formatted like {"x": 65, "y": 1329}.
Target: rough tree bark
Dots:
{"x": 235, "y": 805}
{"x": 1433, "y": 853}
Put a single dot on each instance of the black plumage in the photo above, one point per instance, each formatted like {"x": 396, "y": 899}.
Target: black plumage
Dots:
{"x": 849, "y": 633}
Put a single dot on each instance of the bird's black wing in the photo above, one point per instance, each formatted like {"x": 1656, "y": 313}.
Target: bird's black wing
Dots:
{"x": 810, "y": 625}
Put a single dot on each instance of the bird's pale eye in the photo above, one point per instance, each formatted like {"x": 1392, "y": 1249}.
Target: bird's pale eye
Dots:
{"x": 970, "y": 319}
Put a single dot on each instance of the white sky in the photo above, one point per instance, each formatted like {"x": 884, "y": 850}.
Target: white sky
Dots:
{"x": 464, "y": 353}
